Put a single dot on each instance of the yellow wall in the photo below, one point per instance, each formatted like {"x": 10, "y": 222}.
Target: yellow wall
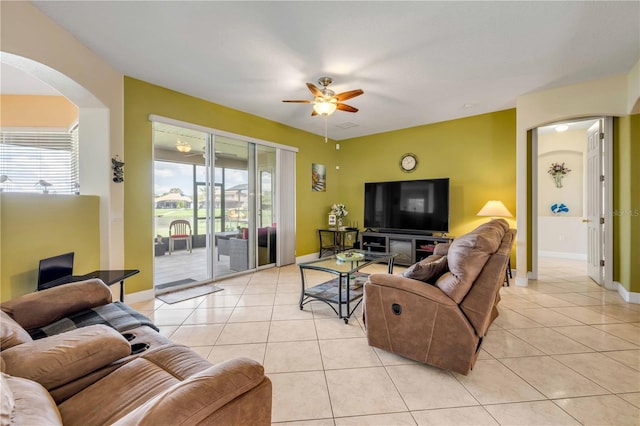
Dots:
{"x": 36, "y": 226}
{"x": 477, "y": 154}
{"x": 142, "y": 99}
{"x": 483, "y": 148}
{"x": 626, "y": 202}
{"x": 36, "y": 111}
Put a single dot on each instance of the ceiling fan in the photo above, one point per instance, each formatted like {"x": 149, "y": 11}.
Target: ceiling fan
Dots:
{"x": 325, "y": 101}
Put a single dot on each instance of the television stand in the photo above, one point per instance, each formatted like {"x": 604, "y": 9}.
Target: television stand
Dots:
{"x": 411, "y": 248}
{"x": 403, "y": 232}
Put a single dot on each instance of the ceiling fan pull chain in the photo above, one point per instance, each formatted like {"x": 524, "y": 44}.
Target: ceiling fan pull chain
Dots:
{"x": 326, "y": 120}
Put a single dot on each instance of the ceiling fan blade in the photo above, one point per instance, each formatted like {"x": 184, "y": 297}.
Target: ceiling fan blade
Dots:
{"x": 347, "y": 108}
{"x": 314, "y": 90}
{"x": 297, "y": 101}
{"x": 348, "y": 95}
{"x": 313, "y": 112}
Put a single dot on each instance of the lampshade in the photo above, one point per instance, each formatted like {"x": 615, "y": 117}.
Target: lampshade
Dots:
{"x": 183, "y": 146}
{"x": 325, "y": 107}
{"x": 494, "y": 208}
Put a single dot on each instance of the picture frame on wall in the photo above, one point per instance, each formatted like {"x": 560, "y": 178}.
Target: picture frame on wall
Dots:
{"x": 318, "y": 177}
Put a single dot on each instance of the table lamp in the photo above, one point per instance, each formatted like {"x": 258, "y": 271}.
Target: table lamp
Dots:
{"x": 494, "y": 208}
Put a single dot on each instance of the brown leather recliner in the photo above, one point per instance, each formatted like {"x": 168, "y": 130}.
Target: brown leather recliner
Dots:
{"x": 88, "y": 376}
{"x": 443, "y": 323}
{"x": 55, "y": 309}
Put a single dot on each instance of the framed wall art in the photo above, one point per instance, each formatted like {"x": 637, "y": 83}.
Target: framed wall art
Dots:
{"x": 318, "y": 177}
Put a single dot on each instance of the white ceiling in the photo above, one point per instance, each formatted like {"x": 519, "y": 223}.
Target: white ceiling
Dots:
{"x": 417, "y": 62}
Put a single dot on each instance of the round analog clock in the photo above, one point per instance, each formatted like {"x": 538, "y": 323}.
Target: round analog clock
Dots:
{"x": 408, "y": 162}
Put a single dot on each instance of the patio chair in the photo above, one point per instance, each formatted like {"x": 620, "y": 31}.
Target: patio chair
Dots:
{"x": 179, "y": 229}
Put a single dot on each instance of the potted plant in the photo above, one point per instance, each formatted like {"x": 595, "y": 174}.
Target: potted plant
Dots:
{"x": 339, "y": 211}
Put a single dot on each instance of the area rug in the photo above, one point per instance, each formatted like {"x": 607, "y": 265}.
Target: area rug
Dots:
{"x": 188, "y": 293}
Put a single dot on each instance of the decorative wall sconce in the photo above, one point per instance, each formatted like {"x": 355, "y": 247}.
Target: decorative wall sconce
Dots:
{"x": 118, "y": 169}
{"x": 558, "y": 172}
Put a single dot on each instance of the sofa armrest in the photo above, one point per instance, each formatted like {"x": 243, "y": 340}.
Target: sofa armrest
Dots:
{"x": 441, "y": 249}
{"x": 44, "y": 307}
{"x": 60, "y": 359}
{"x": 410, "y": 285}
{"x": 198, "y": 398}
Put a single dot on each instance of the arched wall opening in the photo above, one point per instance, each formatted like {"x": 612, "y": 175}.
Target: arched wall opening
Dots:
{"x": 613, "y": 96}
{"x": 94, "y": 174}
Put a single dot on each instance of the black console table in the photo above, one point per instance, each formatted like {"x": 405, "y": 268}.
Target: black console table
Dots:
{"x": 108, "y": 276}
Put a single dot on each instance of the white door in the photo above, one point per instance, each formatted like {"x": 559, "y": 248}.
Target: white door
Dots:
{"x": 595, "y": 208}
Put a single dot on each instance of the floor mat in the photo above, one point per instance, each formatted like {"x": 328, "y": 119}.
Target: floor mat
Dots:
{"x": 175, "y": 283}
{"x": 189, "y": 293}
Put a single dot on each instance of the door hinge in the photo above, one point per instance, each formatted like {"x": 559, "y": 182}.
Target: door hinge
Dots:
{"x": 602, "y": 221}
{"x": 601, "y": 135}
{"x": 601, "y": 178}
{"x": 602, "y": 262}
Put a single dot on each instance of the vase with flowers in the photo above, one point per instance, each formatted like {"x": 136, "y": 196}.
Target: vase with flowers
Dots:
{"x": 558, "y": 171}
{"x": 340, "y": 211}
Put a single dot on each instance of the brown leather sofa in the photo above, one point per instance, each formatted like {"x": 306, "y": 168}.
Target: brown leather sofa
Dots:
{"x": 88, "y": 376}
{"x": 442, "y": 322}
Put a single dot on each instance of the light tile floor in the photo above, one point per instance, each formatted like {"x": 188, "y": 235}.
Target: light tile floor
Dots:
{"x": 562, "y": 352}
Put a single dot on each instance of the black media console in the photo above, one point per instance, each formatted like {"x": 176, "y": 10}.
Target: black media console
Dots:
{"x": 410, "y": 248}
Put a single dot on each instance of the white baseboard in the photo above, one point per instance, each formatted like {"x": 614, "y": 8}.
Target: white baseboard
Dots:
{"x": 307, "y": 258}
{"x": 139, "y": 296}
{"x": 628, "y": 296}
{"x": 563, "y": 255}
{"x": 521, "y": 281}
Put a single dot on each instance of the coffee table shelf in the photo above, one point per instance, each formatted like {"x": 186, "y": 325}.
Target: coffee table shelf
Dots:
{"x": 347, "y": 287}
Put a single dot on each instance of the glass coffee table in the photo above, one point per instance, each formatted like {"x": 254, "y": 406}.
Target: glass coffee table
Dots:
{"x": 346, "y": 289}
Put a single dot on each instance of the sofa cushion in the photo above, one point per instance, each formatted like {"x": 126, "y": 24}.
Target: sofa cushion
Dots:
{"x": 11, "y": 333}
{"x": 44, "y": 307}
{"x": 500, "y": 224}
{"x": 428, "y": 269}
{"x": 146, "y": 377}
{"x": 7, "y": 403}
{"x": 31, "y": 404}
{"x": 196, "y": 398}
{"x": 466, "y": 258}
{"x": 60, "y": 359}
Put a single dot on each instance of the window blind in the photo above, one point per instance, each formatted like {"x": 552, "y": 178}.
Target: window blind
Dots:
{"x": 39, "y": 161}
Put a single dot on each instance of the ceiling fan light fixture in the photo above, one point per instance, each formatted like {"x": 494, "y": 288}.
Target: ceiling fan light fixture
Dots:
{"x": 183, "y": 146}
{"x": 325, "y": 107}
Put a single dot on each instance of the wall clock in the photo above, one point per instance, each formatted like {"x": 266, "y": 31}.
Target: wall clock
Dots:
{"x": 408, "y": 162}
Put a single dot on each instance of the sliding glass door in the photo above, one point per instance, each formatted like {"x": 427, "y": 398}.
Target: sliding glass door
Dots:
{"x": 234, "y": 181}
{"x": 266, "y": 202}
{"x": 180, "y": 207}
{"x": 224, "y": 189}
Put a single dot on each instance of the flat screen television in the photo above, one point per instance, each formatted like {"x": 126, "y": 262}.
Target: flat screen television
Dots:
{"x": 412, "y": 206}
